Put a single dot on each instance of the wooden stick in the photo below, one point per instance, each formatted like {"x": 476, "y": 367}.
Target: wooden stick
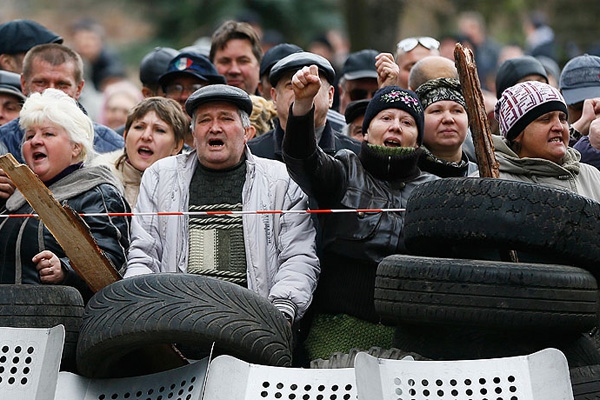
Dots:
{"x": 67, "y": 227}
{"x": 480, "y": 127}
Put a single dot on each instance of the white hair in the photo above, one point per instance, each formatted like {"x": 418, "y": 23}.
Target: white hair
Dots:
{"x": 57, "y": 107}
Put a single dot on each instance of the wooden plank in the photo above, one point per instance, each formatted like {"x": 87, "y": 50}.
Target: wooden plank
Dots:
{"x": 87, "y": 259}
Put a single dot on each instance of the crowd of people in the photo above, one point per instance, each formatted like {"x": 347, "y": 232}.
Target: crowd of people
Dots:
{"x": 235, "y": 128}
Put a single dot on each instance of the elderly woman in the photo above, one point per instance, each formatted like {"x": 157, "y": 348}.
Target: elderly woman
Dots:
{"x": 382, "y": 176}
{"x": 57, "y": 143}
{"x": 535, "y": 137}
{"x": 155, "y": 129}
{"x": 445, "y": 129}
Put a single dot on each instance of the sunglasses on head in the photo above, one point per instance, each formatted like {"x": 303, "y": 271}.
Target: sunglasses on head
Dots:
{"x": 409, "y": 44}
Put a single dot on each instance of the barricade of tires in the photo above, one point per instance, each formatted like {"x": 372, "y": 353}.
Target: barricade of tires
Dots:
{"x": 458, "y": 295}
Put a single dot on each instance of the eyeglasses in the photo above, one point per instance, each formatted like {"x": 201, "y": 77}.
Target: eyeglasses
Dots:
{"x": 360, "y": 94}
{"x": 409, "y": 44}
{"x": 177, "y": 90}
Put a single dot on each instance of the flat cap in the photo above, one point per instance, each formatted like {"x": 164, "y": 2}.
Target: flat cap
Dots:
{"x": 155, "y": 63}
{"x": 195, "y": 64}
{"x": 275, "y": 54}
{"x": 219, "y": 92}
{"x": 297, "y": 61}
{"x": 20, "y": 35}
{"x": 10, "y": 83}
{"x": 355, "y": 109}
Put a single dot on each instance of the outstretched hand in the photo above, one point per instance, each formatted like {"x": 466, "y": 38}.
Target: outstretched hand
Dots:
{"x": 388, "y": 71}
{"x": 305, "y": 84}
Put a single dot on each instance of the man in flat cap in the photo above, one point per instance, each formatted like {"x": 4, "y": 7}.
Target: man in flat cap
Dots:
{"x": 329, "y": 140}
{"x": 11, "y": 96}
{"x": 272, "y": 254}
{"x": 17, "y": 37}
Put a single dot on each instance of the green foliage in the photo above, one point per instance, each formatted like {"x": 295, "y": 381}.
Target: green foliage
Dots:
{"x": 183, "y": 21}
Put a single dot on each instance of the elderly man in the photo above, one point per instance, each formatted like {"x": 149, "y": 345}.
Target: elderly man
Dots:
{"x": 411, "y": 50}
{"x": 55, "y": 66}
{"x": 271, "y": 254}
{"x": 328, "y": 139}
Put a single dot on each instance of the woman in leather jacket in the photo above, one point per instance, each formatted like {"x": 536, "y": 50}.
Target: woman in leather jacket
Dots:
{"x": 382, "y": 176}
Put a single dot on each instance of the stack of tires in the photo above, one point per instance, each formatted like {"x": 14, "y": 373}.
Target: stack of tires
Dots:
{"x": 461, "y": 294}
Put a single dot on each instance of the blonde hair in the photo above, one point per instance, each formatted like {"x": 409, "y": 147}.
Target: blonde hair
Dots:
{"x": 263, "y": 112}
{"x": 57, "y": 107}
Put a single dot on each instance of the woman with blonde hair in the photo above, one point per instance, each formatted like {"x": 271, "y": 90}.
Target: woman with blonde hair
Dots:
{"x": 57, "y": 145}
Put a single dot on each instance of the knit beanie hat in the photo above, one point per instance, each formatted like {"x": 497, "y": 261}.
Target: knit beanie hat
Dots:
{"x": 522, "y": 103}
{"x": 514, "y": 69}
{"x": 440, "y": 89}
{"x": 395, "y": 97}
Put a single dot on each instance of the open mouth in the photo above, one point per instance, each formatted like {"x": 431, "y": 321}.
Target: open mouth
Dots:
{"x": 39, "y": 156}
{"x": 556, "y": 139}
{"x": 215, "y": 143}
{"x": 392, "y": 143}
{"x": 144, "y": 151}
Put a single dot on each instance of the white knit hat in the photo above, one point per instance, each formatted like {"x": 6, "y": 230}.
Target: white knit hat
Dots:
{"x": 522, "y": 103}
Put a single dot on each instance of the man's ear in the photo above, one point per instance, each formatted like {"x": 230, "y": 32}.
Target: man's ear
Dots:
{"x": 8, "y": 63}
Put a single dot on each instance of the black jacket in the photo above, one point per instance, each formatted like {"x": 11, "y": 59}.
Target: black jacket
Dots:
{"x": 88, "y": 190}
{"x": 269, "y": 145}
{"x": 353, "y": 243}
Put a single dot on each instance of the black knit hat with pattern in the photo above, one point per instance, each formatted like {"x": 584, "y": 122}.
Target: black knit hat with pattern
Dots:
{"x": 395, "y": 97}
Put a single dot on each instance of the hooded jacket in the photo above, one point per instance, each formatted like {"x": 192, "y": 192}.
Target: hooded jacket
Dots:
{"x": 571, "y": 174}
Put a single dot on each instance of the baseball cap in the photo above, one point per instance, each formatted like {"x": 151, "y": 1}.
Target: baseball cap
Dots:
{"x": 10, "y": 83}
{"x": 296, "y": 61}
{"x": 275, "y": 54}
{"x": 219, "y": 92}
{"x": 194, "y": 64}
{"x": 580, "y": 79}
{"x": 360, "y": 64}
{"x": 20, "y": 35}
{"x": 155, "y": 63}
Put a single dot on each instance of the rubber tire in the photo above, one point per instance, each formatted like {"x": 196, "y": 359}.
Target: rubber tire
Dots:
{"x": 468, "y": 217}
{"x": 44, "y": 306}
{"x": 179, "y": 308}
{"x": 585, "y": 382}
{"x": 486, "y": 294}
{"x": 346, "y": 360}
